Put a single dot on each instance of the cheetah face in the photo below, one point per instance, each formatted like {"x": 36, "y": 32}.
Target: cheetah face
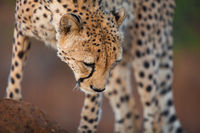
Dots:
{"x": 91, "y": 46}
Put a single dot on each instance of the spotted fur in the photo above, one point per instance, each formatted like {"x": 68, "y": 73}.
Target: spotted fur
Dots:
{"x": 86, "y": 35}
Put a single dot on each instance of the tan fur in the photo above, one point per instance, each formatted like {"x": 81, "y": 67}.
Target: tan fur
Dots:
{"x": 88, "y": 37}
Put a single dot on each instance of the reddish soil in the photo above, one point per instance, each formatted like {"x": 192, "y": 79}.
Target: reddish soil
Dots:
{"x": 23, "y": 117}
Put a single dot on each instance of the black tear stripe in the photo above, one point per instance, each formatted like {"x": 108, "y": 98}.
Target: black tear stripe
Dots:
{"x": 75, "y": 1}
{"x": 91, "y": 73}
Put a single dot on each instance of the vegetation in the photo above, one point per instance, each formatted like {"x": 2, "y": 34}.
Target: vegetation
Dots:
{"x": 187, "y": 24}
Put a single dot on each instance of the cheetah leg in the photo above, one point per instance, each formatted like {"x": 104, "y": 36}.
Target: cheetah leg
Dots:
{"x": 119, "y": 93}
{"x": 91, "y": 113}
{"x": 170, "y": 122}
{"x": 20, "y": 50}
{"x": 146, "y": 77}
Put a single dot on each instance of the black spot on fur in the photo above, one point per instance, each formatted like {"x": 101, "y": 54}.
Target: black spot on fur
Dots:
{"x": 85, "y": 118}
{"x": 18, "y": 76}
{"x": 11, "y": 95}
{"x": 169, "y": 102}
{"x": 12, "y": 80}
{"x": 12, "y": 68}
{"x": 146, "y": 64}
{"x": 149, "y": 88}
{"x": 93, "y": 98}
{"x": 118, "y": 80}
{"x": 16, "y": 90}
{"x": 75, "y": 1}
{"x": 93, "y": 109}
{"x": 128, "y": 115}
{"x": 179, "y": 130}
{"x": 165, "y": 113}
{"x": 91, "y": 121}
{"x": 139, "y": 42}
{"x": 141, "y": 74}
{"x": 85, "y": 126}
{"x": 21, "y": 54}
{"x": 120, "y": 121}
{"x": 172, "y": 119}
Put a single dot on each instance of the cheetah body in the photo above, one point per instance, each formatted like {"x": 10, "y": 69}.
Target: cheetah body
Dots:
{"x": 77, "y": 32}
{"x": 86, "y": 35}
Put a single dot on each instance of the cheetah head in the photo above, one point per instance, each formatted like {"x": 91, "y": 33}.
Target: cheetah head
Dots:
{"x": 91, "y": 45}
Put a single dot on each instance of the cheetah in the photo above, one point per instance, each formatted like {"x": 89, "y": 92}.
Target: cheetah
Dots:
{"x": 87, "y": 36}
{"x": 147, "y": 50}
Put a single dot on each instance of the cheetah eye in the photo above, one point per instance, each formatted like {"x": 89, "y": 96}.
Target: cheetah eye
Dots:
{"x": 89, "y": 64}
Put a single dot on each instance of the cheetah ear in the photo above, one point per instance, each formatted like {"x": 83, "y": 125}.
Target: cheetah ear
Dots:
{"x": 119, "y": 15}
{"x": 69, "y": 23}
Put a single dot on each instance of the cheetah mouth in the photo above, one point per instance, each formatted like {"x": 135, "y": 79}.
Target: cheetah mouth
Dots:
{"x": 97, "y": 89}
{"x": 90, "y": 75}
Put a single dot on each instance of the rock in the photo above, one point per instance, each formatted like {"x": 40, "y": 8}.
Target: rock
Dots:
{"x": 23, "y": 117}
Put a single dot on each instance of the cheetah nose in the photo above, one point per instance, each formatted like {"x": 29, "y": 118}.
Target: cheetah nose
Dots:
{"x": 97, "y": 89}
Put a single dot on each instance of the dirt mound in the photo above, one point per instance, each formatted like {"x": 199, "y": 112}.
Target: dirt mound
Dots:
{"x": 22, "y": 117}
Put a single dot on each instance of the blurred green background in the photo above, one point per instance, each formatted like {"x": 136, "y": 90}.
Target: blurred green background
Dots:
{"x": 48, "y": 82}
{"x": 187, "y": 25}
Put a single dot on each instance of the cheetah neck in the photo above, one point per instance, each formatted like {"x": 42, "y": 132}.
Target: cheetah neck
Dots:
{"x": 60, "y": 6}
